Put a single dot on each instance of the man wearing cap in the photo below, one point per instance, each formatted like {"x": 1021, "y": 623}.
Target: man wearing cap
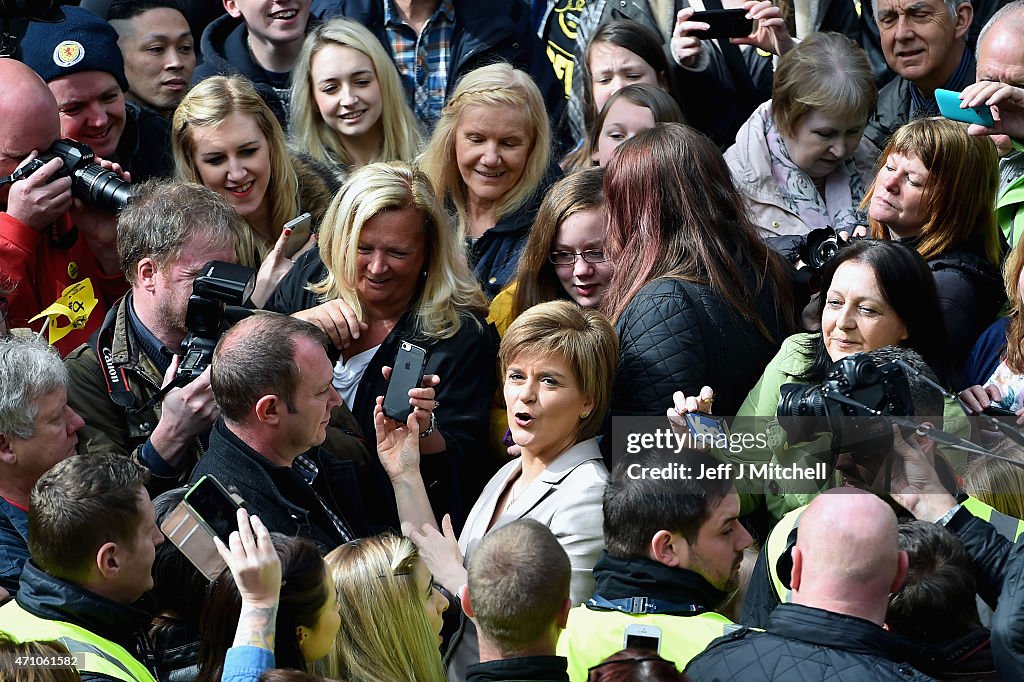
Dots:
{"x": 82, "y": 65}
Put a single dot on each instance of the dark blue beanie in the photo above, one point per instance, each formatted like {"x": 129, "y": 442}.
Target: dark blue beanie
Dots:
{"x": 82, "y": 42}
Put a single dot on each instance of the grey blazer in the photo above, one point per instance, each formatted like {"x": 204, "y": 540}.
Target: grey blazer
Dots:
{"x": 566, "y": 497}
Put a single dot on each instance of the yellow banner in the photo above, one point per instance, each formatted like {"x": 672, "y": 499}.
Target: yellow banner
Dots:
{"x": 76, "y": 303}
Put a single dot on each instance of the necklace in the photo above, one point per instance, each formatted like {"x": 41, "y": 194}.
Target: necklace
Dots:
{"x": 512, "y": 494}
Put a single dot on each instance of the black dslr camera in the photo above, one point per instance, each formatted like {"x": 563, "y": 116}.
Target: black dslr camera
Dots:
{"x": 848, "y": 404}
{"x": 90, "y": 182}
{"x": 215, "y": 304}
{"x": 14, "y": 18}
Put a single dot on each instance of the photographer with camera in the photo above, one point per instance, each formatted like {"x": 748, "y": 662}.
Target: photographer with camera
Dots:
{"x": 82, "y": 65}
{"x": 48, "y": 240}
{"x": 165, "y": 237}
{"x": 874, "y": 294}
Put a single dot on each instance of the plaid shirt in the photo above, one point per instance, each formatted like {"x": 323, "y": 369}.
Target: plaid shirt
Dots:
{"x": 422, "y": 60}
{"x": 309, "y": 471}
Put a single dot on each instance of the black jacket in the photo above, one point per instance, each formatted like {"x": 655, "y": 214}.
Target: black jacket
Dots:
{"x": 466, "y": 365}
{"x": 485, "y": 32}
{"x": 804, "y": 643}
{"x": 51, "y": 598}
{"x": 144, "y": 149}
{"x": 281, "y": 497}
{"x": 971, "y": 294}
{"x": 533, "y": 668}
{"x": 894, "y": 104}
{"x": 225, "y": 51}
{"x": 680, "y": 336}
{"x": 495, "y": 255}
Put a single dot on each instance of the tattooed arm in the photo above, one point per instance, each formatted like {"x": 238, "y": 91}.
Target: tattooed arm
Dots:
{"x": 256, "y": 569}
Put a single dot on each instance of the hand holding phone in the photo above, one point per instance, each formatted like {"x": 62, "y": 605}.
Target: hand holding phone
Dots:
{"x": 214, "y": 506}
{"x": 724, "y": 23}
{"x": 406, "y": 374}
{"x": 949, "y": 106}
{"x": 301, "y": 228}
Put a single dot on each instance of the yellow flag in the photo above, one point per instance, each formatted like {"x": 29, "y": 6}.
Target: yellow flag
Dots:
{"x": 75, "y": 303}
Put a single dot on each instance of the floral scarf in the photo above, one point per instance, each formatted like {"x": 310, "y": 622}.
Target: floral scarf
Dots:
{"x": 844, "y": 187}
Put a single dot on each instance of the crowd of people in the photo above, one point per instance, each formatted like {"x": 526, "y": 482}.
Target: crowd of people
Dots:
{"x": 401, "y": 284}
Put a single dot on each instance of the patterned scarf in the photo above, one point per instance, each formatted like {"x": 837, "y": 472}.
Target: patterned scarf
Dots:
{"x": 844, "y": 187}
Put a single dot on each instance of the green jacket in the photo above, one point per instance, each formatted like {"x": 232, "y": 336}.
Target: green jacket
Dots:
{"x": 1010, "y": 206}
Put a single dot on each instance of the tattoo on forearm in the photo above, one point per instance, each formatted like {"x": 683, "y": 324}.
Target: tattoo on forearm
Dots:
{"x": 256, "y": 627}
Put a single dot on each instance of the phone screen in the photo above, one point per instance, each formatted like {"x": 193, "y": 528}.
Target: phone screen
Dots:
{"x": 214, "y": 505}
{"x": 406, "y": 374}
{"x": 641, "y": 642}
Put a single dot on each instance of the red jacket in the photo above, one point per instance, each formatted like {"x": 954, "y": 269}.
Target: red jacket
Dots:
{"x": 38, "y": 266}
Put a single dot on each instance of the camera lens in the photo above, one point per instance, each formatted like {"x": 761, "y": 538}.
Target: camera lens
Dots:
{"x": 101, "y": 187}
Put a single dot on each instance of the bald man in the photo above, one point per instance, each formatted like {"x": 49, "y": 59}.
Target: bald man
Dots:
{"x": 47, "y": 241}
{"x": 845, "y": 563}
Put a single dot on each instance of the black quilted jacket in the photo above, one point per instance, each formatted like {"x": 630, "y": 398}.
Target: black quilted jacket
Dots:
{"x": 679, "y": 336}
{"x": 804, "y": 643}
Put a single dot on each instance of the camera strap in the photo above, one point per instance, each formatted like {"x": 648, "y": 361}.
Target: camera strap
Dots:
{"x": 116, "y": 377}
{"x": 21, "y": 173}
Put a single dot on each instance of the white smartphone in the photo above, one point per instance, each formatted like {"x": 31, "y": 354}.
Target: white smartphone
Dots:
{"x": 639, "y": 636}
{"x": 300, "y": 227}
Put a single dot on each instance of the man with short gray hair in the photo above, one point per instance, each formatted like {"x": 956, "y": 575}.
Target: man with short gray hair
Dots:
{"x": 37, "y": 430}
{"x": 925, "y": 43}
{"x": 518, "y": 594}
{"x": 165, "y": 237}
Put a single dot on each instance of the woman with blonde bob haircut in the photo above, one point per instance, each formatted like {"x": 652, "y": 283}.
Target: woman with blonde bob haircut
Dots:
{"x": 348, "y": 107}
{"x": 392, "y": 610}
{"x": 489, "y": 157}
{"x": 935, "y": 191}
{"x": 388, "y": 270}
{"x": 558, "y": 362}
{"x": 225, "y": 137}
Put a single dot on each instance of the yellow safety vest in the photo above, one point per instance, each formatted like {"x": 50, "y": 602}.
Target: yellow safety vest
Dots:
{"x": 590, "y": 636}
{"x": 778, "y": 539}
{"x": 93, "y": 653}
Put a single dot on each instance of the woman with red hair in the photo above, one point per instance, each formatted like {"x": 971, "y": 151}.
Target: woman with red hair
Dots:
{"x": 703, "y": 301}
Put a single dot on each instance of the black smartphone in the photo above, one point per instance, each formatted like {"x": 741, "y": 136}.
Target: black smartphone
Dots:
{"x": 725, "y": 23}
{"x": 213, "y": 504}
{"x": 406, "y": 374}
{"x": 996, "y": 411}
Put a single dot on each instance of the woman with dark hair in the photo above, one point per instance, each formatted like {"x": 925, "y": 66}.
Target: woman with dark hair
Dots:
{"x": 307, "y": 617}
{"x": 697, "y": 298}
{"x": 631, "y": 110}
{"x": 620, "y": 53}
{"x": 179, "y": 589}
{"x": 935, "y": 192}
{"x": 873, "y": 294}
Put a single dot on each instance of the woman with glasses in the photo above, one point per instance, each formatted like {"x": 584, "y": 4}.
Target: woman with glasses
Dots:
{"x": 564, "y": 256}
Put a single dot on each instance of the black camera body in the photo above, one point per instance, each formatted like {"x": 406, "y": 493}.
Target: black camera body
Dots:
{"x": 90, "y": 182}
{"x": 847, "y": 404}
{"x": 215, "y": 304}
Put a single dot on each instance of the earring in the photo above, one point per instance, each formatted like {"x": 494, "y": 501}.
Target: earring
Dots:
{"x": 584, "y": 415}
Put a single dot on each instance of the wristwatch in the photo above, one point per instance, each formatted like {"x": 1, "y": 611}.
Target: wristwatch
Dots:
{"x": 430, "y": 429}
